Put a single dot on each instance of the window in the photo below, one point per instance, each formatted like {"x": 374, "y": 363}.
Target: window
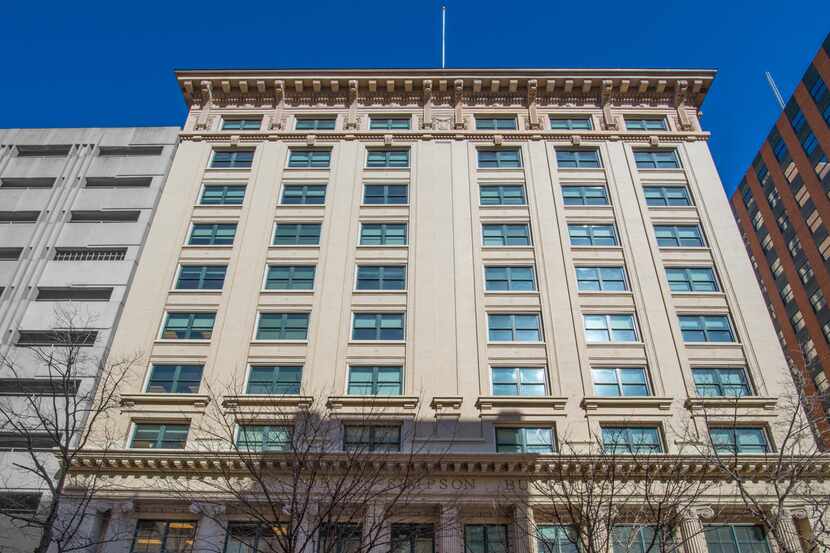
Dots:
{"x": 19, "y": 216}
{"x": 588, "y": 194}
{"x": 90, "y": 254}
{"x": 508, "y": 158}
{"x": 223, "y": 194}
{"x": 496, "y": 123}
{"x": 515, "y": 279}
{"x": 806, "y": 272}
{"x": 10, "y": 254}
{"x": 312, "y": 159}
{"x": 252, "y": 124}
{"x": 74, "y": 293}
{"x": 316, "y": 123}
{"x": 375, "y": 381}
{"x": 692, "y": 279}
{"x": 656, "y": 159}
{"x": 387, "y": 158}
{"x": 39, "y": 386}
{"x": 758, "y": 220}
{"x": 282, "y": 380}
{"x": 44, "y": 150}
{"x": 601, "y": 279}
{"x": 159, "y": 436}
{"x": 739, "y": 440}
{"x": 518, "y": 381}
{"x": 383, "y": 234}
{"x": 620, "y": 381}
{"x": 389, "y": 123}
{"x": 592, "y": 235}
{"x": 413, "y": 538}
{"x": 378, "y": 326}
{"x": 260, "y": 437}
{"x": 57, "y": 338}
{"x": 24, "y": 441}
{"x": 250, "y": 537}
{"x": 576, "y": 123}
{"x": 381, "y": 277}
{"x": 201, "y": 277}
{"x": 809, "y": 143}
{"x": 556, "y": 539}
{"x": 818, "y": 301}
{"x": 232, "y": 159}
{"x": 29, "y": 182}
{"x": 371, "y": 438}
{"x": 506, "y": 235}
{"x": 174, "y": 379}
{"x": 118, "y": 182}
{"x": 666, "y": 196}
{"x": 706, "y": 328}
{"x": 114, "y": 216}
{"x": 631, "y": 439}
{"x": 485, "y": 538}
{"x": 290, "y": 277}
{"x": 578, "y": 159}
{"x": 19, "y": 503}
{"x": 188, "y": 326}
{"x": 798, "y": 120}
{"x": 282, "y": 326}
{"x": 733, "y": 538}
{"x": 679, "y": 236}
{"x": 297, "y": 234}
{"x": 646, "y": 124}
{"x": 502, "y": 194}
{"x": 524, "y": 440}
{"x": 610, "y": 328}
{"x": 212, "y": 234}
{"x": 779, "y": 148}
{"x": 503, "y": 327}
{"x": 818, "y": 89}
{"x": 721, "y": 382}
{"x": 304, "y": 194}
{"x": 164, "y": 536}
{"x": 385, "y": 194}
{"x": 633, "y": 539}
{"x": 339, "y": 538}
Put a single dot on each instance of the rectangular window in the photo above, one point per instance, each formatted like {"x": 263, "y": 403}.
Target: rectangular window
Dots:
{"x": 575, "y": 123}
{"x": 502, "y": 194}
{"x": 10, "y": 254}
{"x": 506, "y": 235}
{"x": 485, "y": 538}
{"x": 592, "y": 235}
{"x": 212, "y": 234}
{"x": 692, "y": 279}
{"x": 29, "y": 182}
{"x": 496, "y": 123}
{"x": 373, "y": 438}
{"x": 706, "y": 328}
{"x": 223, "y": 194}
{"x": 524, "y": 440}
{"x": 19, "y": 216}
{"x": 19, "y": 503}
{"x": 578, "y": 159}
{"x": 518, "y": 381}
{"x": 387, "y": 158}
{"x": 113, "y": 216}
{"x": 201, "y": 277}
{"x": 631, "y": 439}
{"x": 250, "y": 537}
{"x": 642, "y": 539}
{"x": 282, "y": 326}
{"x": 378, "y": 326}
{"x": 56, "y": 338}
{"x": 164, "y": 536}
{"x": 174, "y": 379}
{"x": 188, "y": 326}
{"x": 656, "y": 159}
{"x": 281, "y": 380}
{"x": 375, "y": 381}
{"x": 413, "y": 538}
{"x": 620, "y": 381}
{"x": 509, "y": 278}
{"x": 39, "y": 386}
{"x": 44, "y": 150}
{"x": 818, "y": 89}
{"x": 601, "y": 279}
{"x": 89, "y": 254}
{"x": 735, "y": 440}
{"x": 159, "y": 436}
{"x": 381, "y": 277}
{"x": 262, "y": 437}
{"x": 232, "y": 159}
{"x": 290, "y": 277}
{"x": 338, "y": 538}
{"x": 508, "y": 158}
{"x": 556, "y": 539}
{"x": 73, "y": 293}
{"x": 297, "y": 234}
{"x": 610, "y": 328}
{"x": 734, "y": 538}
{"x": 585, "y": 194}
{"x": 304, "y": 194}
{"x": 316, "y": 123}
{"x": 519, "y": 327}
{"x": 646, "y": 124}
{"x": 251, "y": 124}
{"x": 383, "y": 234}
{"x": 129, "y": 151}
{"x": 312, "y": 159}
{"x": 24, "y": 441}
{"x": 721, "y": 382}
{"x": 679, "y": 236}
{"x": 389, "y": 123}
{"x": 667, "y": 196}
{"x": 385, "y": 194}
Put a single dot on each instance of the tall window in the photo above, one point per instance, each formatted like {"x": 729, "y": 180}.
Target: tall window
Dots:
{"x": 592, "y": 235}
{"x": 656, "y": 159}
{"x": 385, "y": 194}
{"x": 518, "y": 381}
{"x": 692, "y": 279}
{"x": 304, "y": 194}
{"x": 610, "y": 328}
{"x": 232, "y": 159}
{"x": 496, "y": 123}
{"x": 636, "y": 539}
{"x": 720, "y": 382}
{"x": 514, "y": 327}
{"x": 601, "y": 279}
{"x": 572, "y": 123}
{"x": 736, "y": 538}
{"x": 201, "y": 277}
{"x": 311, "y": 159}
{"x": 706, "y": 328}
{"x": 164, "y": 536}
{"x": 734, "y": 440}
{"x": 282, "y": 326}
{"x": 388, "y": 158}
{"x": 340, "y": 538}
{"x": 584, "y": 194}
{"x": 188, "y": 326}
{"x": 252, "y": 537}
{"x": 578, "y": 159}
{"x": 679, "y": 236}
{"x": 316, "y": 123}
{"x": 174, "y": 379}
{"x": 275, "y": 379}
{"x": 502, "y": 194}
{"x": 378, "y": 326}
{"x": 371, "y": 438}
{"x": 223, "y": 194}
{"x": 667, "y": 196}
{"x": 524, "y": 440}
{"x": 212, "y": 234}
{"x": 507, "y": 158}
{"x": 261, "y": 437}
{"x": 631, "y": 439}
{"x": 389, "y": 123}
{"x": 556, "y": 539}
{"x": 252, "y": 124}
{"x": 485, "y": 538}
{"x": 620, "y": 381}
{"x": 290, "y": 277}
{"x": 646, "y": 124}
{"x": 381, "y": 277}
{"x": 159, "y": 436}
{"x": 509, "y": 278}
{"x": 413, "y": 538}
{"x": 383, "y": 234}
{"x": 375, "y": 381}
{"x": 297, "y": 234}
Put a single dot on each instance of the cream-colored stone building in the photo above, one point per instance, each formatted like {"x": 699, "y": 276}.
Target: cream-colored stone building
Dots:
{"x": 529, "y": 257}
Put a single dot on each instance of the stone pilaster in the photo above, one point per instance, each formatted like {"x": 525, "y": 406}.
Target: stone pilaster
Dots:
{"x": 691, "y": 530}
{"x": 120, "y": 529}
{"x": 788, "y": 540}
{"x": 211, "y": 528}
{"x": 523, "y": 529}
{"x": 450, "y": 537}
{"x": 376, "y": 529}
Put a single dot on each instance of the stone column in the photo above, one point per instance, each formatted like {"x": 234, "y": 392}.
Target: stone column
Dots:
{"x": 691, "y": 529}
{"x": 376, "y": 530}
{"x": 211, "y": 527}
{"x": 523, "y": 529}
{"x": 305, "y": 529}
{"x": 450, "y": 538}
{"x": 120, "y": 529}
{"x": 787, "y": 533}
{"x": 88, "y": 532}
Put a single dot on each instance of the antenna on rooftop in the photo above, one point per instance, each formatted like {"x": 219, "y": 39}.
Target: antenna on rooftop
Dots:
{"x": 443, "y": 37}
{"x": 774, "y": 88}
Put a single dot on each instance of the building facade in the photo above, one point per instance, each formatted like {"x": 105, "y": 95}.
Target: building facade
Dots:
{"x": 75, "y": 208}
{"x": 781, "y": 205}
{"x": 506, "y": 261}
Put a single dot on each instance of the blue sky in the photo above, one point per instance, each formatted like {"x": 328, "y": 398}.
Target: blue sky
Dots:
{"x": 111, "y": 63}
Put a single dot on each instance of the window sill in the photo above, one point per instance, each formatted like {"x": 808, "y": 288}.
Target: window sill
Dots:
{"x": 689, "y": 208}
{"x": 301, "y": 206}
{"x": 220, "y": 169}
{"x": 220, "y": 206}
{"x": 503, "y": 293}
{"x": 208, "y": 246}
{"x": 381, "y": 292}
{"x": 684, "y": 248}
{"x": 491, "y": 343}
{"x": 299, "y": 169}
{"x": 697, "y": 404}
{"x": 180, "y": 341}
{"x": 382, "y": 246}
{"x": 636, "y": 344}
{"x": 296, "y": 246}
{"x": 401, "y": 402}
{"x": 500, "y": 169}
{"x": 495, "y": 207}
{"x": 194, "y": 400}
{"x": 661, "y": 169}
{"x": 275, "y": 292}
{"x": 211, "y": 291}
{"x": 595, "y": 403}
{"x": 384, "y": 206}
{"x": 730, "y": 345}
{"x": 507, "y": 248}
{"x": 284, "y": 342}
{"x": 599, "y": 170}
{"x": 596, "y": 248}
{"x": 606, "y": 293}
{"x": 267, "y": 400}
{"x": 500, "y": 405}
{"x": 377, "y": 169}
{"x": 699, "y": 294}
{"x": 377, "y": 342}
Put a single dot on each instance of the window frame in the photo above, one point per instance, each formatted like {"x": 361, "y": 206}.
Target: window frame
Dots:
{"x": 176, "y": 379}
{"x": 600, "y": 280}
{"x": 310, "y": 162}
{"x": 690, "y": 281}
{"x": 497, "y": 161}
{"x": 165, "y": 534}
{"x": 719, "y": 384}
{"x": 534, "y": 289}
{"x": 191, "y": 318}
{"x": 734, "y": 446}
{"x": 275, "y": 381}
{"x": 407, "y": 118}
{"x": 702, "y": 318}
{"x": 505, "y": 234}
{"x": 267, "y": 277}
{"x": 515, "y": 330}
{"x": 619, "y": 381}
{"x": 163, "y": 427}
{"x": 298, "y": 119}
{"x": 224, "y": 186}
{"x": 232, "y": 161}
{"x": 304, "y": 186}
{"x": 283, "y": 326}
{"x": 213, "y": 236}
{"x": 518, "y": 380}
{"x": 389, "y": 163}
{"x": 653, "y": 159}
{"x": 297, "y": 234}
{"x": 241, "y": 119}
{"x": 591, "y": 228}
{"x": 485, "y": 547}
{"x": 501, "y": 196}
{"x": 610, "y": 330}
{"x": 629, "y": 444}
{"x": 663, "y": 188}
{"x": 570, "y": 119}
{"x": 383, "y": 233}
{"x": 202, "y": 278}
{"x": 379, "y": 315}
{"x": 373, "y": 444}
{"x": 578, "y": 163}
{"x": 644, "y": 119}
{"x": 374, "y": 383}
{"x": 584, "y": 199}
{"x": 381, "y": 278}
{"x": 267, "y": 427}
{"x": 523, "y": 442}
{"x": 386, "y": 194}
{"x": 496, "y": 119}
{"x": 675, "y": 228}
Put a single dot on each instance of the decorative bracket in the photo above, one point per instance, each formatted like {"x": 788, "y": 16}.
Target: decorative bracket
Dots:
{"x": 203, "y": 120}
{"x": 605, "y": 98}
{"x": 427, "y": 93}
{"x": 681, "y": 95}
{"x": 532, "y": 112}
{"x": 458, "y": 110}
{"x": 351, "y": 117}
{"x": 279, "y": 105}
